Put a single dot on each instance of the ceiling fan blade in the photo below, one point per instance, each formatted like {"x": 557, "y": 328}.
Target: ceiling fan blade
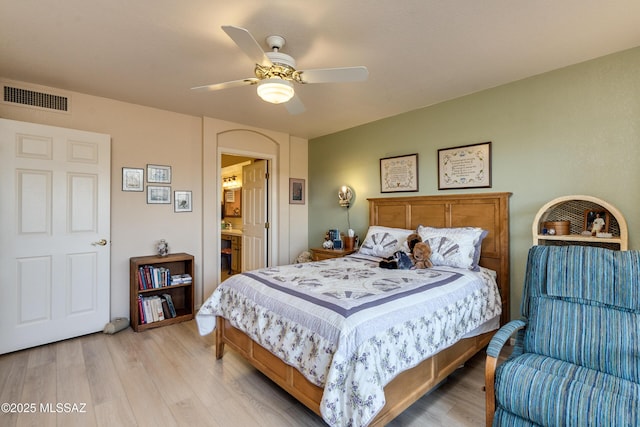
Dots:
{"x": 295, "y": 106}
{"x": 226, "y": 85}
{"x": 247, "y": 44}
{"x": 334, "y": 75}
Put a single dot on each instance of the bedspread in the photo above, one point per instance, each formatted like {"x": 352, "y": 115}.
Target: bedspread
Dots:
{"x": 349, "y": 326}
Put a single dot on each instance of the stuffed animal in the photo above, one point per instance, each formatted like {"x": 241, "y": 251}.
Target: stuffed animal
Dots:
{"x": 412, "y": 239}
{"x": 421, "y": 255}
{"x": 398, "y": 261}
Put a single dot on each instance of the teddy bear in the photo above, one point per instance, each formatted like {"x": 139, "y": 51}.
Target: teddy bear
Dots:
{"x": 421, "y": 255}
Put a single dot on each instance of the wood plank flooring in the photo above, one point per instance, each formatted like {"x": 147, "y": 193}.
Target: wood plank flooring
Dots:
{"x": 169, "y": 377}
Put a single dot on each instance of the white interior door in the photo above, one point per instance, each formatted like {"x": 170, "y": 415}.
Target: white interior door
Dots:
{"x": 254, "y": 215}
{"x": 55, "y": 230}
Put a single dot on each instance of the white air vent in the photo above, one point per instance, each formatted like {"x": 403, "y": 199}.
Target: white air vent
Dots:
{"x": 31, "y": 98}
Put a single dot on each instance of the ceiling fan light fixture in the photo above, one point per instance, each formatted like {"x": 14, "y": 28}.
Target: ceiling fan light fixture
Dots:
{"x": 275, "y": 90}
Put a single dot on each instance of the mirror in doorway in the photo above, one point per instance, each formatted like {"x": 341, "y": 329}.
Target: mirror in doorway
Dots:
{"x": 233, "y": 202}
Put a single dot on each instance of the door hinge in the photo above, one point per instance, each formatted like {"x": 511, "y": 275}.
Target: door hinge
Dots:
{"x": 266, "y": 175}
{"x": 266, "y": 225}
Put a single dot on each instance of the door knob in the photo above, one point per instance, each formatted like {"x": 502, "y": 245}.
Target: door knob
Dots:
{"x": 101, "y": 242}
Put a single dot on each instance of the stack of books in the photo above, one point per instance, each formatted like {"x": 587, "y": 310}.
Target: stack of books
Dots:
{"x": 155, "y": 308}
{"x": 180, "y": 279}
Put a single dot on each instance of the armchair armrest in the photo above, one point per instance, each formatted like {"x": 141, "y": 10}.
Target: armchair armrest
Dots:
{"x": 493, "y": 351}
{"x": 504, "y": 333}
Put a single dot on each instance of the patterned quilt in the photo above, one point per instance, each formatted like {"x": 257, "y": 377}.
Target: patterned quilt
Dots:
{"x": 349, "y": 326}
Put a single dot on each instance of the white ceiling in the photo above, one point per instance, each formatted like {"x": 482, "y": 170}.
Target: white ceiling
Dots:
{"x": 418, "y": 52}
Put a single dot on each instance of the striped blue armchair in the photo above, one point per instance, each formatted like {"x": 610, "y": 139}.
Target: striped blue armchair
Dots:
{"x": 576, "y": 361}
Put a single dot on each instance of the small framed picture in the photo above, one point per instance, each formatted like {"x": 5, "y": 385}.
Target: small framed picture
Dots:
{"x": 296, "y": 191}
{"x": 158, "y": 195}
{"x": 132, "y": 179}
{"x": 182, "y": 201}
{"x": 159, "y": 174}
{"x": 596, "y": 221}
{"x": 399, "y": 174}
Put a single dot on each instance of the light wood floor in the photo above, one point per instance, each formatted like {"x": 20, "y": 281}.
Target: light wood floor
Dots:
{"x": 169, "y": 376}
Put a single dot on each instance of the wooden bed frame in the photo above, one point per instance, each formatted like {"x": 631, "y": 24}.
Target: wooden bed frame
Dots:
{"x": 489, "y": 211}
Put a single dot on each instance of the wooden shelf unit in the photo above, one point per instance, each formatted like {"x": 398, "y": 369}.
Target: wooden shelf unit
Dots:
{"x": 571, "y": 208}
{"x": 181, "y": 294}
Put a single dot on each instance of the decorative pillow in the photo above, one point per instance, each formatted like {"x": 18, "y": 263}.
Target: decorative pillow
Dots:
{"x": 454, "y": 247}
{"x": 383, "y": 241}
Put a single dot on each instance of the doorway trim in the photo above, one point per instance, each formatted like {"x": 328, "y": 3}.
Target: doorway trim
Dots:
{"x": 263, "y": 145}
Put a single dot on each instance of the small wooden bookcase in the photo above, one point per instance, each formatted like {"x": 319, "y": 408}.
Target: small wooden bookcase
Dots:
{"x": 181, "y": 294}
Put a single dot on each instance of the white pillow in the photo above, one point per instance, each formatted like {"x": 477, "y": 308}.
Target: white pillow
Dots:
{"x": 383, "y": 241}
{"x": 454, "y": 247}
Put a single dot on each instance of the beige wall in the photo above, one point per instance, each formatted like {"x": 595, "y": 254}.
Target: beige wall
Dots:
{"x": 571, "y": 131}
{"x": 142, "y": 135}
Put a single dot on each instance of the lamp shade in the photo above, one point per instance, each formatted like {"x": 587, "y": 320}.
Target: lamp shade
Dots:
{"x": 275, "y": 90}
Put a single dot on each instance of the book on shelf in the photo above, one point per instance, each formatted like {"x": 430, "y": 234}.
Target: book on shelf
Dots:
{"x": 172, "y": 309}
{"x": 165, "y": 308}
{"x": 141, "y": 310}
{"x": 150, "y": 277}
{"x": 157, "y": 306}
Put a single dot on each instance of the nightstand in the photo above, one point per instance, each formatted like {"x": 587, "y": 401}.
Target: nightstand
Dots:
{"x": 318, "y": 254}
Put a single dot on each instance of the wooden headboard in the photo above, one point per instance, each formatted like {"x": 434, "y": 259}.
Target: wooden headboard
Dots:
{"x": 489, "y": 211}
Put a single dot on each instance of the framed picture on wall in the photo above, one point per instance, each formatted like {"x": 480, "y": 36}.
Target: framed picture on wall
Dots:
{"x": 158, "y": 195}
{"x": 296, "y": 191}
{"x": 132, "y": 179}
{"x": 467, "y": 166}
{"x": 182, "y": 201}
{"x": 399, "y": 174}
{"x": 158, "y": 174}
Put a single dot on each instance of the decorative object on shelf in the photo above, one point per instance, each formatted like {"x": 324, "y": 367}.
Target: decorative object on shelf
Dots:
{"x": 162, "y": 248}
{"x": 327, "y": 244}
{"x": 596, "y": 221}
{"x": 399, "y": 174}
{"x": 159, "y": 174}
{"x": 558, "y": 228}
{"x": 344, "y": 196}
{"x": 158, "y": 195}
{"x": 296, "y": 191}
{"x": 182, "y": 201}
{"x": 467, "y": 166}
{"x": 132, "y": 179}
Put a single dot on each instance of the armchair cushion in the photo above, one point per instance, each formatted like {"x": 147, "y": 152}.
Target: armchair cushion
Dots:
{"x": 588, "y": 335}
{"x": 561, "y": 393}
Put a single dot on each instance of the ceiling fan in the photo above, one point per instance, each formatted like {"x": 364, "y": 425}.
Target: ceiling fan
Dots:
{"x": 275, "y": 72}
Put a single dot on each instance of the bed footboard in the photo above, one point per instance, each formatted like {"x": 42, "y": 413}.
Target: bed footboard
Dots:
{"x": 404, "y": 390}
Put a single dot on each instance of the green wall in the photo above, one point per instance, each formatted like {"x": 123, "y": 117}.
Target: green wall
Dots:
{"x": 575, "y": 130}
